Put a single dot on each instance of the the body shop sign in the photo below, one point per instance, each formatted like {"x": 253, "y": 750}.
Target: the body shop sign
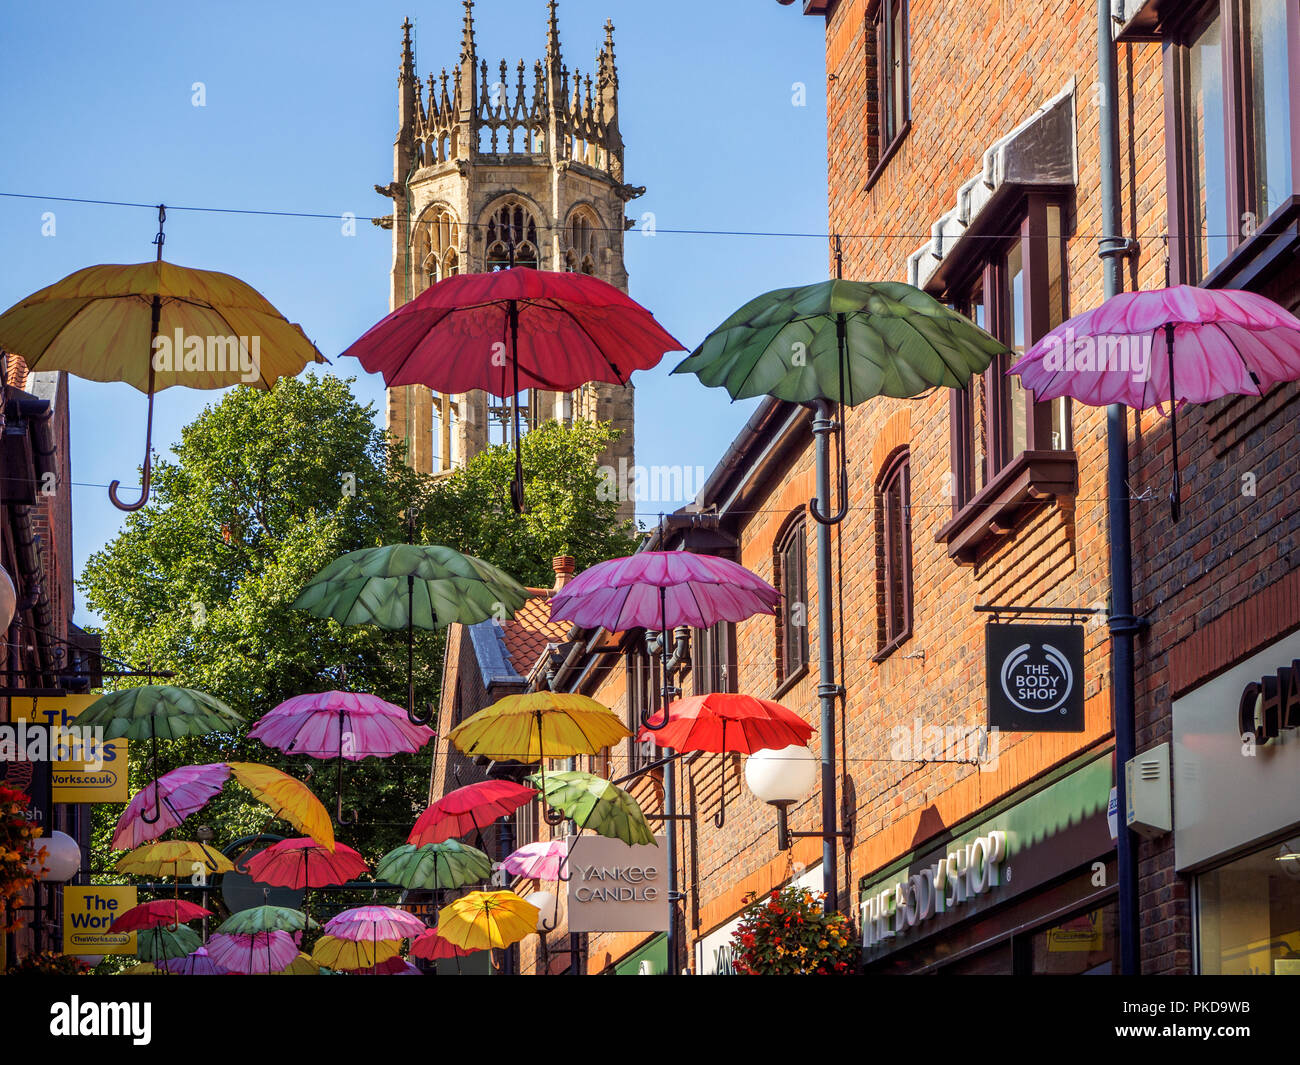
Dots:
{"x": 1035, "y": 677}
{"x": 617, "y": 888}
{"x": 962, "y": 875}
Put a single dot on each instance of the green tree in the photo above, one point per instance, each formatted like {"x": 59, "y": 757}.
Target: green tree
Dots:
{"x": 264, "y": 490}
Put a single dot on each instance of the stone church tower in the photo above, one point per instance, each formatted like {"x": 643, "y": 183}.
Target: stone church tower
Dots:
{"x": 486, "y": 158}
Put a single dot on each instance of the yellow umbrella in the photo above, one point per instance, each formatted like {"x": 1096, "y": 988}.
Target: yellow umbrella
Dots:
{"x": 144, "y": 968}
{"x": 483, "y": 920}
{"x": 154, "y": 325}
{"x": 537, "y": 725}
{"x": 288, "y": 798}
{"x": 335, "y": 953}
{"x": 174, "y": 857}
{"x": 302, "y": 965}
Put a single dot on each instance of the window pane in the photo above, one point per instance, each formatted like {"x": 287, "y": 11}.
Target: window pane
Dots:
{"x": 1056, "y": 315}
{"x": 898, "y": 75}
{"x": 1017, "y": 427}
{"x": 1250, "y": 914}
{"x": 978, "y": 398}
{"x": 1271, "y": 99}
{"x": 1080, "y": 946}
{"x": 1205, "y": 138}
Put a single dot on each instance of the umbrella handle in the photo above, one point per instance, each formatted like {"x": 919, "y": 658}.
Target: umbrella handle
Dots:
{"x": 720, "y": 818}
{"x": 823, "y": 426}
{"x": 155, "y": 318}
{"x": 552, "y": 816}
{"x": 157, "y": 798}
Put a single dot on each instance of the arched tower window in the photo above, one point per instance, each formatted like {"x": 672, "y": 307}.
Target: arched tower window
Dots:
{"x": 581, "y": 239}
{"x": 511, "y": 223}
{"x": 437, "y": 243}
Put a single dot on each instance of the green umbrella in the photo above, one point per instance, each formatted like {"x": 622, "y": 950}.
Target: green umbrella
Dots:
{"x": 411, "y": 586}
{"x": 266, "y": 919}
{"x": 450, "y": 864}
{"x": 594, "y": 803}
{"x": 166, "y": 941}
{"x": 896, "y": 341}
{"x": 158, "y": 711}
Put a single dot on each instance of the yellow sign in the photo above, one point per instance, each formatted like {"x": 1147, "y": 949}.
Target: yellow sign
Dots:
{"x": 77, "y": 779}
{"x": 1083, "y": 933}
{"x": 87, "y": 913}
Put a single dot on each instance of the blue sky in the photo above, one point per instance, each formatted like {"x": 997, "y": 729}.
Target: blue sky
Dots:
{"x": 300, "y": 115}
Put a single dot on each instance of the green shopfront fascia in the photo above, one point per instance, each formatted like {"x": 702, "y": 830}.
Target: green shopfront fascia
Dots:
{"x": 649, "y": 959}
{"x": 1028, "y": 887}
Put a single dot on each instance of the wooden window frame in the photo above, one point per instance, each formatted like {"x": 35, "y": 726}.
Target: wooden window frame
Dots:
{"x": 788, "y": 668}
{"x": 1251, "y": 255}
{"x": 893, "y": 561}
{"x": 881, "y": 51}
{"x": 713, "y": 660}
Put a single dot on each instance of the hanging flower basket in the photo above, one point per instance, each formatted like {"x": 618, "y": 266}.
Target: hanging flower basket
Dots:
{"x": 17, "y": 850}
{"x": 789, "y": 934}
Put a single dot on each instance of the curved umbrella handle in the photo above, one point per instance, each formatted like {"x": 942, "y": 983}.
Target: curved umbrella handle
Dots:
{"x": 649, "y": 726}
{"x": 827, "y": 519}
{"x": 155, "y": 318}
{"x": 157, "y": 797}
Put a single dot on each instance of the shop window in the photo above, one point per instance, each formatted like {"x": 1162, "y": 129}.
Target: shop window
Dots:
{"x": 713, "y": 659}
{"x": 792, "y": 612}
{"x": 1232, "y": 83}
{"x": 643, "y": 698}
{"x": 888, "y": 82}
{"x": 893, "y": 555}
{"x": 1006, "y": 448}
{"x": 1249, "y": 914}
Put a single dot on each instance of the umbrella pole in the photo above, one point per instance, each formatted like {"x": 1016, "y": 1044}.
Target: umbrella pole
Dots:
{"x": 553, "y": 817}
{"x": 516, "y": 486}
{"x": 157, "y": 794}
{"x": 338, "y": 792}
{"x": 1175, "y": 496}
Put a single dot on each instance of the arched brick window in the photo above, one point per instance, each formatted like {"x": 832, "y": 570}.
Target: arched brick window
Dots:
{"x": 791, "y": 566}
{"x": 893, "y": 554}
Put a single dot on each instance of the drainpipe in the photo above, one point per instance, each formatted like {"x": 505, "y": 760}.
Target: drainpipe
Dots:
{"x": 1123, "y": 624}
{"x": 670, "y": 664}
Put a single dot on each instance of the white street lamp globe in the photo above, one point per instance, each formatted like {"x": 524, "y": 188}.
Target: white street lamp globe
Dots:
{"x": 783, "y": 776}
{"x": 547, "y": 905}
{"x": 62, "y": 858}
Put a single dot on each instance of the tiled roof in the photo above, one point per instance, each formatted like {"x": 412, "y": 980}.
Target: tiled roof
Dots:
{"x": 531, "y": 629}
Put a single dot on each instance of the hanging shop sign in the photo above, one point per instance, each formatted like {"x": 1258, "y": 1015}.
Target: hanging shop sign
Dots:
{"x": 1236, "y": 756}
{"x": 617, "y": 888}
{"x": 86, "y": 768}
{"x": 1035, "y": 677}
{"x": 87, "y": 913}
{"x": 24, "y": 768}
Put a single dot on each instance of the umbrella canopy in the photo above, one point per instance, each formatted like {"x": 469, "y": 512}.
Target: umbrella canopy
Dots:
{"x": 487, "y": 920}
{"x": 374, "y": 923}
{"x": 263, "y": 952}
{"x": 302, "y": 965}
{"x": 177, "y": 795}
{"x": 844, "y": 341}
{"x": 199, "y": 963}
{"x": 164, "y": 941}
{"x": 174, "y": 857}
{"x": 729, "y": 722}
{"x": 571, "y": 328}
{"x": 266, "y": 919}
{"x": 543, "y": 860}
{"x": 158, "y": 711}
{"x": 471, "y": 808}
{"x": 289, "y": 799}
{"x": 304, "y": 863}
{"x": 334, "y": 724}
{"x": 449, "y": 864}
{"x": 334, "y": 952}
{"x": 534, "y": 725}
{"x": 394, "y": 966}
{"x": 1173, "y": 345}
{"x": 430, "y": 946}
{"x": 661, "y": 590}
{"x": 154, "y": 325}
{"x": 158, "y": 912}
{"x": 596, "y": 804}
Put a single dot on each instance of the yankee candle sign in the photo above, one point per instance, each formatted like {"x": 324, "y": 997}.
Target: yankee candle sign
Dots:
{"x": 87, "y": 913}
{"x": 617, "y": 888}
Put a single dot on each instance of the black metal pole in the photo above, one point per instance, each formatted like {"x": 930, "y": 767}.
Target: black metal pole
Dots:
{"x": 1123, "y": 624}
{"x": 827, "y": 689}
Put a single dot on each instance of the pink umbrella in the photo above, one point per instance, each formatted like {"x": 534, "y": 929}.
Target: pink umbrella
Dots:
{"x": 304, "y": 863}
{"x": 373, "y": 923}
{"x": 342, "y": 725}
{"x": 543, "y": 860}
{"x": 1216, "y": 343}
{"x": 180, "y": 793}
{"x": 263, "y": 952}
{"x": 199, "y": 963}
{"x": 394, "y": 966}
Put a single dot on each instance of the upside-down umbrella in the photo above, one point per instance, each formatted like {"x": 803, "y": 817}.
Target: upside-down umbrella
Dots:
{"x": 335, "y": 952}
{"x": 304, "y": 863}
{"x": 469, "y": 809}
{"x": 538, "y": 725}
{"x": 596, "y": 804}
{"x": 348, "y": 726}
{"x": 563, "y": 330}
{"x": 432, "y": 866}
{"x": 198, "y": 963}
{"x": 487, "y": 920}
{"x": 266, "y": 919}
{"x": 101, "y": 324}
{"x": 260, "y": 952}
{"x": 166, "y": 941}
{"x": 158, "y": 711}
{"x": 155, "y": 913}
{"x": 728, "y": 722}
{"x": 411, "y": 586}
{"x": 1214, "y": 342}
{"x": 185, "y": 791}
{"x": 838, "y": 343}
{"x": 543, "y": 860}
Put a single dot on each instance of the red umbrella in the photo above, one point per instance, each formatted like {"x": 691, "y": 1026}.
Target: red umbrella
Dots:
{"x": 431, "y": 946}
{"x": 304, "y": 863}
{"x": 473, "y": 807}
{"x": 157, "y": 914}
{"x": 724, "y": 722}
{"x": 454, "y": 337}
